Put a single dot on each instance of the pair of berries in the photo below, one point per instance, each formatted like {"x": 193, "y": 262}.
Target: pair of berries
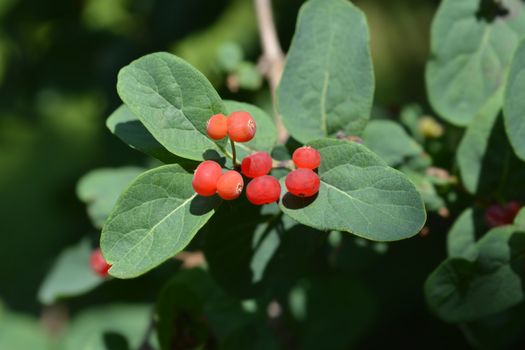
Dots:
{"x": 304, "y": 182}
{"x": 98, "y": 264}
{"x": 208, "y": 179}
{"x": 239, "y": 126}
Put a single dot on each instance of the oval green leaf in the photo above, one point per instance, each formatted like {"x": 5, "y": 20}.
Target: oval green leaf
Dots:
{"x": 514, "y": 105}
{"x": 470, "y": 56}
{"x": 328, "y": 80}
{"x": 154, "y": 219}
{"x": 458, "y": 290}
{"x": 174, "y": 101}
{"x": 359, "y": 194}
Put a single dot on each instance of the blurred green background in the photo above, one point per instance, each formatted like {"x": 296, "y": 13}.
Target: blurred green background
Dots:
{"x": 59, "y": 61}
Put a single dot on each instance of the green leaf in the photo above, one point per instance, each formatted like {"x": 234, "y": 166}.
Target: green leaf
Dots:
{"x": 174, "y": 101}
{"x": 266, "y": 135}
{"x": 154, "y": 219}
{"x": 460, "y": 290}
{"x": 470, "y": 56}
{"x": 248, "y": 76}
{"x": 100, "y": 189}
{"x": 519, "y": 220}
{"x": 128, "y": 127}
{"x": 22, "y": 332}
{"x": 461, "y": 239}
{"x": 514, "y": 104}
{"x": 328, "y": 81}
{"x": 359, "y": 194}
{"x": 90, "y": 329}
{"x": 426, "y": 188}
{"x": 390, "y": 141}
{"x": 486, "y": 160}
{"x": 70, "y": 275}
{"x": 229, "y": 56}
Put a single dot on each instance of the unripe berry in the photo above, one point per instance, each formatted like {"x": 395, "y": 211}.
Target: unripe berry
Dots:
{"x": 302, "y": 182}
{"x": 205, "y": 178}
{"x": 230, "y": 185}
{"x": 264, "y": 189}
{"x": 217, "y": 127}
{"x": 306, "y": 157}
{"x": 98, "y": 263}
{"x": 257, "y": 164}
{"x": 241, "y": 126}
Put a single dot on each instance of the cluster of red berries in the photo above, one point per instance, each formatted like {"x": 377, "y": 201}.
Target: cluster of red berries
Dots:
{"x": 98, "y": 264}
{"x": 209, "y": 179}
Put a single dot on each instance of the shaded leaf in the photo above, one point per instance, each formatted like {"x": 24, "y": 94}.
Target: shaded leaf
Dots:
{"x": 486, "y": 160}
{"x": 128, "y": 127}
{"x": 519, "y": 220}
{"x": 174, "y": 101}
{"x": 100, "y": 189}
{"x": 461, "y": 239}
{"x": 460, "y": 290}
{"x": 359, "y": 194}
{"x": 70, "y": 275}
{"x": 90, "y": 329}
{"x": 154, "y": 219}
{"x": 328, "y": 81}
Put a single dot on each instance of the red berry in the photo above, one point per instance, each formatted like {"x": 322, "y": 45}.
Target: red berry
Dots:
{"x": 98, "y": 263}
{"x": 217, "y": 126}
{"x": 257, "y": 164}
{"x": 205, "y": 178}
{"x": 302, "y": 182}
{"x": 230, "y": 185}
{"x": 264, "y": 189}
{"x": 501, "y": 215}
{"x": 241, "y": 127}
{"x": 306, "y": 157}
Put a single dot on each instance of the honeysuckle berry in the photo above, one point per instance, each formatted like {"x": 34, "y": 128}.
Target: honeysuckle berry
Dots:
{"x": 502, "y": 214}
{"x": 230, "y": 185}
{"x": 241, "y": 126}
{"x": 256, "y": 164}
{"x": 217, "y": 126}
{"x": 205, "y": 178}
{"x": 306, "y": 157}
{"x": 302, "y": 182}
{"x": 98, "y": 264}
{"x": 264, "y": 189}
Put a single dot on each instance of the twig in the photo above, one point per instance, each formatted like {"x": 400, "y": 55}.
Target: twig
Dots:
{"x": 273, "y": 57}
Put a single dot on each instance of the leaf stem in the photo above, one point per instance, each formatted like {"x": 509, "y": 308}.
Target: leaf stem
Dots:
{"x": 272, "y": 60}
{"x": 234, "y": 154}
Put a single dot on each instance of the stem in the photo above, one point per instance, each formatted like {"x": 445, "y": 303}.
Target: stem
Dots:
{"x": 273, "y": 58}
{"x": 234, "y": 154}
